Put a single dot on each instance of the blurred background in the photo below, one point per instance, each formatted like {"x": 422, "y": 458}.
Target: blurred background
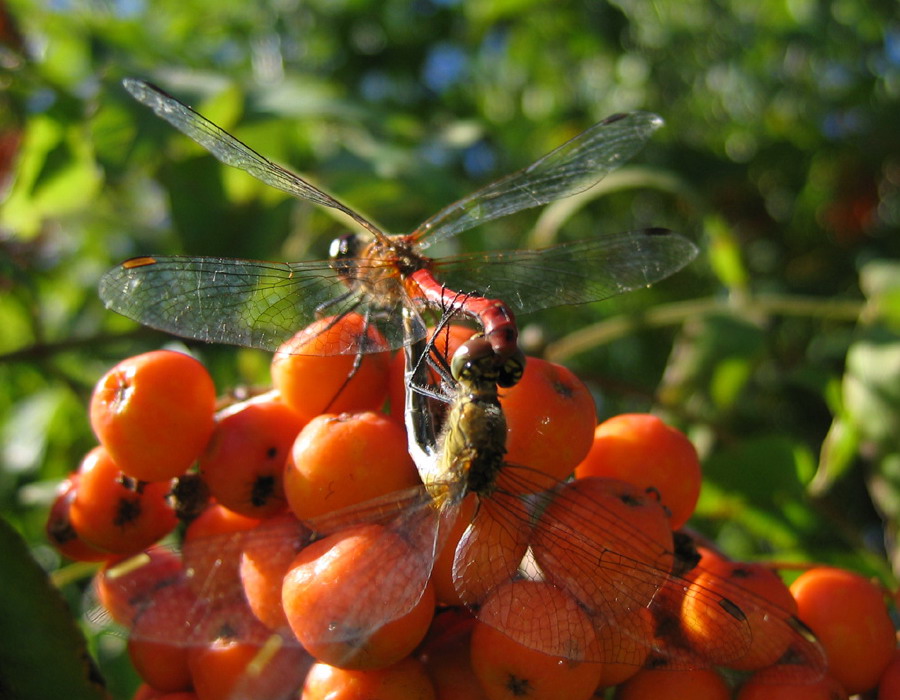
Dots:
{"x": 777, "y": 351}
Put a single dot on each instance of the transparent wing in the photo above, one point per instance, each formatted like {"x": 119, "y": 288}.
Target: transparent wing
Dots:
{"x": 388, "y": 579}
{"x": 231, "y": 584}
{"x": 570, "y": 273}
{"x": 160, "y": 596}
{"x": 573, "y": 167}
{"x": 232, "y": 152}
{"x": 632, "y": 593}
{"x": 249, "y": 302}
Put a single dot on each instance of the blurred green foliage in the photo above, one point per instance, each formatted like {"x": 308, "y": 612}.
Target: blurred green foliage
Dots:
{"x": 778, "y": 351}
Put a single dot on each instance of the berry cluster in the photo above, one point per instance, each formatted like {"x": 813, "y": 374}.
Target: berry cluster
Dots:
{"x": 313, "y": 564}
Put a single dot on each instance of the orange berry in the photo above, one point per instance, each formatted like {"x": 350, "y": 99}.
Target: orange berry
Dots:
{"x": 550, "y": 419}
{"x": 266, "y": 555}
{"x": 115, "y": 513}
{"x": 791, "y": 683}
{"x": 125, "y": 586}
{"x": 710, "y": 560}
{"x": 448, "y": 661}
{"x": 340, "y": 461}
{"x": 405, "y": 680}
{"x": 491, "y": 548}
{"x": 848, "y": 614}
{"x": 664, "y": 684}
{"x": 355, "y": 599}
{"x": 169, "y": 616}
{"x": 145, "y": 692}
{"x": 889, "y": 683}
{"x": 625, "y": 644}
{"x": 59, "y": 528}
{"x": 612, "y": 525}
{"x": 518, "y": 619}
{"x": 243, "y": 464}
{"x": 442, "y": 571}
{"x": 158, "y": 661}
{"x": 642, "y": 450}
{"x": 244, "y": 659}
{"x": 311, "y": 381}
{"x": 751, "y": 637}
{"x": 154, "y": 413}
{"x": 211, "y": 552}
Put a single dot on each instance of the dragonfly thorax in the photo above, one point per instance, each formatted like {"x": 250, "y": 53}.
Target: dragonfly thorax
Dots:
{"x": 473, "y": 445}
{"x": 375, "y": 266}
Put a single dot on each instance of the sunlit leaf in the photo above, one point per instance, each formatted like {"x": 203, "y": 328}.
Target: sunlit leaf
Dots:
{"x": 837, "y": 456}
{"x": 725, "y": 254}
{"x": 57, "y": 175}
{"x": 25, "y": 432}
{"x": 872, "y": 386}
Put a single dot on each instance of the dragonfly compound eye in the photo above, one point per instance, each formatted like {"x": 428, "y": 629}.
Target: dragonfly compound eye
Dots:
{"x": 512, "y": 369}
{"x": 342, "y": 250}
{"x": 345, "y": 246}
{"x": 474, "y": 360}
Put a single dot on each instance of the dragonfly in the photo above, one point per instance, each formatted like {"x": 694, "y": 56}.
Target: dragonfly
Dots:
{"x": 262, "y": 304}
{"x": 619, "y": 580}
{"x": 612, "y": 580}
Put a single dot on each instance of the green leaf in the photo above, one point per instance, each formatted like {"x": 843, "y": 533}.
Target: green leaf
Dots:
{"x": 879, "y": 277}
{"x": 872, "y": 386}
{"x": 880, "y": 282}
{"x": 728, "y": 379}
{"x": 760, "y": 486}
{"x": 42, "y": 652}
{"x": 718, "y": 354}
{"x": 837, "y": 456}
{"x": 57, "y": 175}
{"x": 26, "y": 431}
{"x": 725, "y": 253}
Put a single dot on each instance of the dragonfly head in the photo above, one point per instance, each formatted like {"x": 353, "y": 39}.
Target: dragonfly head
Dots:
{"x": 511, "y": 370}
{"x": 476, "y": 366}
{"x": 343, "y": 249}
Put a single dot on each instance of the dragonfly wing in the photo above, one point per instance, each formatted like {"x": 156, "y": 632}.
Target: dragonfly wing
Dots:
{"x": 196, "y": 599}
{"x": 388, "y": 579}
{"x": 242, "y": 302}
{"x": 231, "y": 151}
{"x": 570, "y": 273}
{"x": 574, "y": 167}
{"x": 232, "y": 583}
{"x": 630, "y": 591}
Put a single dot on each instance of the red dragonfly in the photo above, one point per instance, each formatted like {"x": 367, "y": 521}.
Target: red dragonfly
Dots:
{"x": 262, "y": 304}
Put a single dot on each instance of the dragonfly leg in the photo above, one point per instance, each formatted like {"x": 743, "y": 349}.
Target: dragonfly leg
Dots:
{"x": 357, "y": 358}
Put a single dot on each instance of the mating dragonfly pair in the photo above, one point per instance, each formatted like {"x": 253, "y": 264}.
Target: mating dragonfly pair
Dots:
{"x": 390, "y": 280}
